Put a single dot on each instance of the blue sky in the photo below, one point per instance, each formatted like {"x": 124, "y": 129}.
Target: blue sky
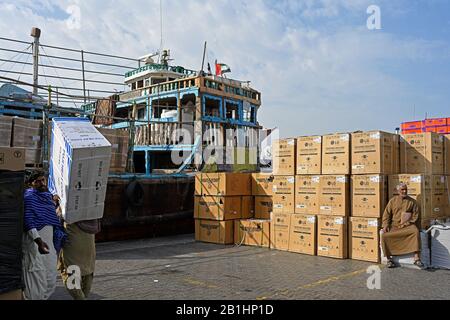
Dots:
{"x": 319, "y": 68}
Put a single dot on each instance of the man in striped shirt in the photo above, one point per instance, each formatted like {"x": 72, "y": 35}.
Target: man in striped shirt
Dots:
{"x": 43, "y": 238}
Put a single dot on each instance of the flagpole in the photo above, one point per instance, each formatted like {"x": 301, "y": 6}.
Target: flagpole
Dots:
{"x": 203, "y": 60}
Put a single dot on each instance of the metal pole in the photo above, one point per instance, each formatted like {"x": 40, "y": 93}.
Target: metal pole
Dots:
{"x": 45, "y": 122}
{"x": 203, "y": 60}
{"x": 82, "y": 70}
{"x": 130, "y": 162}
{"x": 36, "y": 34}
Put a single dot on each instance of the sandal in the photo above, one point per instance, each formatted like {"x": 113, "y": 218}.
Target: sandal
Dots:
{"x": 390, "y": 264}
{"x": 419, "y": 264}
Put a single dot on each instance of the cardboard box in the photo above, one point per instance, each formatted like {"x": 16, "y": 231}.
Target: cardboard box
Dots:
{"x": 5, "y": 131}
{"x": 447, "y": 154}
{"x": 412, "y": 125}
{"x": 223, "y": 184}
{"x": 223, "y": 208}
{"x": 119, "y": 148}
{"x": 263, "y": 207}
{"x": 435, "y": 122}
{"x": 307, "y": 191}
{"x": 284, "y": 194}
{"x": 12, "y": 159}
{"x": 332, "y": 237}
{"x": 364, "y": 239}
{"x": 252, "y": 232}
{"x": 13, "y": 295}
{"x": 303, "y": 234}
{"x": 334, "y": 197}
{"x": 430, "y": 192}
{"x": 369, "y": 195}
{"x": 283, "y": 160}
{"x": 375, "y": 152}
{"x": 27, "y": 133}
{"x": 336, "y": 154}
{"x": 309, "y": 155}
{"x": 79, "y": 168}
{"x": 422, "y": 153}
{"x": 262, "y": 184}
{"x": 220, "y": 232}
{"x": 280, "y": 230}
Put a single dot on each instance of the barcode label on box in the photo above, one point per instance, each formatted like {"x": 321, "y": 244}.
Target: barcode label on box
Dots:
{"x": 318, "y": 140}
{"x": 291, "y": 142}
{"x": 323, "y": 248}
{"x": 311, "y": 219}
{"x": 278, "y": 206}
{"x": 358, "y": 166}
{"x": 342, "y": 179}
{"x": 301, "y": 206}
{"x": 291, "y": 180}
{"x": 327, "y": 208}
{"x": 375, "y": 179}
{"x": 375, "y": 136}
{"x": 416, "y": 179}
{"x": 315, "y": 179}
{"x": 373, "y": 223}
{"x": 339, "y": 220}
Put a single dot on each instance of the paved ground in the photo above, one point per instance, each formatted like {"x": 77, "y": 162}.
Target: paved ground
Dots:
{"x": 180, "y": 268}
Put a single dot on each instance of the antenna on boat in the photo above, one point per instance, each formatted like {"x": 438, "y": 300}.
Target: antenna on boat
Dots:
{"x": 161, "y": 20}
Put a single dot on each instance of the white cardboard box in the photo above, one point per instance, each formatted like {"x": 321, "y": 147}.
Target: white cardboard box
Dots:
{"x": 79, "y": 166}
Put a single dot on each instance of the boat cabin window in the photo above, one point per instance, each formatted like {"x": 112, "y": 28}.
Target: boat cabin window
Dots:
{"x": 232, "y": 110}
{"x": 249, "y": 113}
{"x": 133, "y": 86}
{"x": 140, "y": 84}
{"x": 164, "y": 108}
{"x": 147, "y": 82}
{"x": 212, "y": 108}
{"x": 158, "y": 80}
{"x": 141, "y": 114}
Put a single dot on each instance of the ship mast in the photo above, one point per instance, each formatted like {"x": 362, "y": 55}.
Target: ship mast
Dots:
{"x": 36, "y": 34}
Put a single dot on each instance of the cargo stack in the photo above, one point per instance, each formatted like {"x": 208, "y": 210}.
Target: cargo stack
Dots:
{"x": 423, "y": 166}
{"x": 119, "y": 148}
{"x": 27, "y": 133}
{"x": 303, "y": 224}
{"x": 12, "y": 166}
{"x": 283, "y": 190}
{"x": 220, "y": 200}
{"x": 5, "y": 131}
{"x": 375, "y": 156}
{"x": 334, "y": 198}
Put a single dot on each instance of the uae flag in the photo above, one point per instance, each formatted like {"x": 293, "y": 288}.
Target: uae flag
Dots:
{"x": 222, "y": 68}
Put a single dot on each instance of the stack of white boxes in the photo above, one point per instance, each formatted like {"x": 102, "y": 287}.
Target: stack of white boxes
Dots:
{"x": 79, "y": 166}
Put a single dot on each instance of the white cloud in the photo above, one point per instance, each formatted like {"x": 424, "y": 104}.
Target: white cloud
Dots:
{"x": 313, "y": 79}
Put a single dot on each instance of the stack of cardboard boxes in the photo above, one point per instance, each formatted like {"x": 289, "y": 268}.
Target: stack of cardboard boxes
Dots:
{"x": 423, "y": 167}
{"x": 375, "y": 156}
{"x": 220, "y": 200}
{"x": 22, "y": 133}
{"x": 283, "y": 189}
{"x": 328, "y": 193}
{"x": 12, "y": 165}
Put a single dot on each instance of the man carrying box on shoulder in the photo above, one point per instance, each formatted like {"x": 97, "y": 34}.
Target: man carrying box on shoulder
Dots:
{"x": 400, "y": 232}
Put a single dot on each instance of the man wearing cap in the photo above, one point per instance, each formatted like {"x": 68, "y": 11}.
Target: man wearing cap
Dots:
{"x": 401, "y": 221}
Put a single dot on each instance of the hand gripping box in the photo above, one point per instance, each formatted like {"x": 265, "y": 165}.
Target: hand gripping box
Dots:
{"x": 79, "y": 166}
